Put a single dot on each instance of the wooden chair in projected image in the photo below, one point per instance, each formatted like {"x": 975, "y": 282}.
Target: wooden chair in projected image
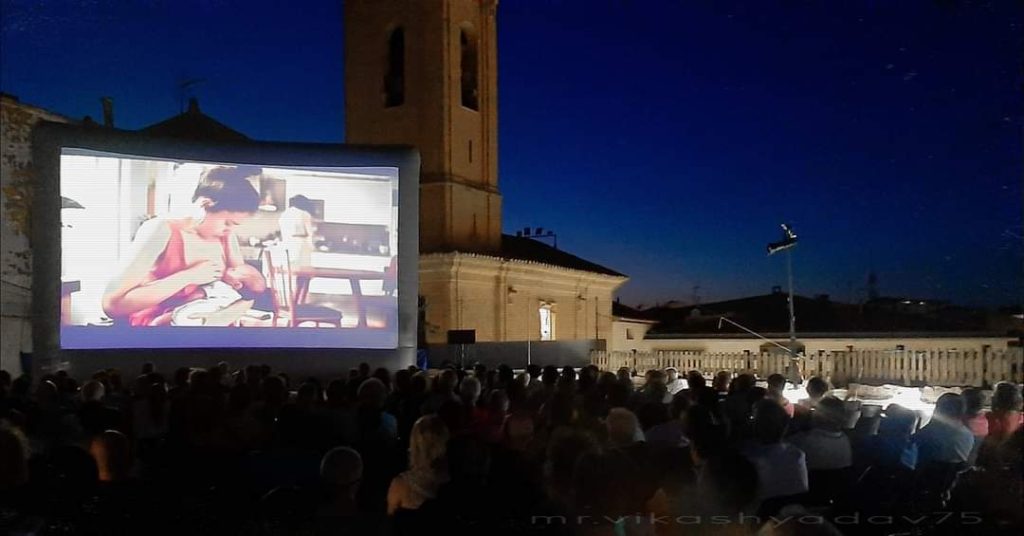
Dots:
{"x": 287, "y": 308}
{"x": 304, "y": 275}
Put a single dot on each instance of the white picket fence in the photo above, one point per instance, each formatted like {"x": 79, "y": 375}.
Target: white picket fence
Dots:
{"x": 904, "y": 367}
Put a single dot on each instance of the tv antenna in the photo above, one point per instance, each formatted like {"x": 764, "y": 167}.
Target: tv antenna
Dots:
{"x": 185, "y": 87}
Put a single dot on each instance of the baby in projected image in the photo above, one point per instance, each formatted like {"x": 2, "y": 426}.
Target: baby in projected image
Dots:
{"x": 221, "y": 302}
{"x": 190, "y": 271}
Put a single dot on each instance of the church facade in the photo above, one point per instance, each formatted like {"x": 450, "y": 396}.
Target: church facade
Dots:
{"x": 424, "y": 73}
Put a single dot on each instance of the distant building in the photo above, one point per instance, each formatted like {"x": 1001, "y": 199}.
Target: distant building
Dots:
{"x": 821, "y": 324}
{"x": 16, "y": 121}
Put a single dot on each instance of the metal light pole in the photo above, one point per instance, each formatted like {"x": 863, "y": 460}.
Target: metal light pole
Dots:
{"x": 787, "y": 243}
{"x": 792, "y": 315}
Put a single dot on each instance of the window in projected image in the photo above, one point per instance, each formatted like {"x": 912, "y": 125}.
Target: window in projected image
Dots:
{"x": 234, "y": 255}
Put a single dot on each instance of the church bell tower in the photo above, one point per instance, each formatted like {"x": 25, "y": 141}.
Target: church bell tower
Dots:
{"x": 424, "y": 73}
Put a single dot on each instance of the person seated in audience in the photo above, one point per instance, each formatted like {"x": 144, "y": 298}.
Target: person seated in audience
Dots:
{"x": 474, "y": 418}
{"x": 94, "y": 415}
{"x": 604, "y": 483}
{"x": 737, "y": 406}
{"x": 654, "y": 390}
{"x": 781, "y": 467}
{"x": 564, "y": 448}
{"x": 891, "y": 447}
{"x": 673, "y": 382}
{"x": 444, "y": 390}
{"x": 974, "y": 418}
{"x": 671, "y": 433}
{"x": 428, "y": 466}
{"x": 625, "y": 375}
{"x": 534, "y": 371}
{"x": 623, "y": 428}
{"x": 825, "y": 444}
{"x": 624, "y": 433}
{"x": 945, "y": 439}
{"x": 1005, "y": 418}
{"x": 776, "y": 386}
{"x": 817, "y": 388}
{"x": 1004, "y": 424}
{"x": 727, "y": 488}
{"x": 721, "y": 383}
{"x": 341, "y": 472}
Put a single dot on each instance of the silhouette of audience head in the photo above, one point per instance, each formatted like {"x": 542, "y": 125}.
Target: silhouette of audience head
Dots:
{"x": 721, "y": 381}
{"x": 341, "y": 471}
{"x": 695, "y": 380}
{"x": 950, "y": 406}
{"x": 776, "y": 384}
{"x": 469, "y": 391}
{"x": 1006, "y": 397}
{"x": 816, "y": 388}
{"x": 93, "y": 391}
{"x": 897, "y": 421}
{"x": 622, "y": 426}
{"x": 974, "y": 401}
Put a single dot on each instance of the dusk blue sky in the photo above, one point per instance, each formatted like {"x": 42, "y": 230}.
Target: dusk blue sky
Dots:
{"x": 666, "y": 139}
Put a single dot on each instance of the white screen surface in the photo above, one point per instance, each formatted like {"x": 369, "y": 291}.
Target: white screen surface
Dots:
{"x": 159, "y": 253}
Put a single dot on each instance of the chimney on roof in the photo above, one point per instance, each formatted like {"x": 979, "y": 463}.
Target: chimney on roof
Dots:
{"x": 108, "y": 112}
{"x": 193, "y": 105}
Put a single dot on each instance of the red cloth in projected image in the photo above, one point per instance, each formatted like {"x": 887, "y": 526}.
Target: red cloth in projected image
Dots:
{"x": 171, "y": 262}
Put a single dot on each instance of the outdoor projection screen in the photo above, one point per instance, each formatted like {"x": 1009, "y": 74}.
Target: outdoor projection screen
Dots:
{"x": 159, "y": 244}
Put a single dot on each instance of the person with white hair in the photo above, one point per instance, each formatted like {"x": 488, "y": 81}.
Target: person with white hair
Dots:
{"x": 428, "y": 466}
{"x": 673, "y": 382}
{"x": 341, "y": 472}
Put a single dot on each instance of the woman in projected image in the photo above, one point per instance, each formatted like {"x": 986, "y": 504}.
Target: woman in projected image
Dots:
{"x": 296, "y": 224}
{"x": 171, "y": 261}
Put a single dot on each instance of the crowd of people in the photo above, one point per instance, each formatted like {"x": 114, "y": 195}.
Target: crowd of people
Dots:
{"x": 492, "y": 451}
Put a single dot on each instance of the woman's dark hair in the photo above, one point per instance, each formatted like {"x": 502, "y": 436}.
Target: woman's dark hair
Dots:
{"x": 228, "y": 189}
{"x": 301, "y": 202}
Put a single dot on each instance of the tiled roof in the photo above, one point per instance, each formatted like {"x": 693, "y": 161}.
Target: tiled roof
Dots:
{"x": 194, "y": 125}
{"x": 526, "y": 249}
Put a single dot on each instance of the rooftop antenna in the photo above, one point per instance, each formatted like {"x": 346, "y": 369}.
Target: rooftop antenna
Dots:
{"x": 185, "y": 91}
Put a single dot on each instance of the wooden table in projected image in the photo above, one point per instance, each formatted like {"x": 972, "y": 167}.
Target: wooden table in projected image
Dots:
{"x": 306, "y": 274}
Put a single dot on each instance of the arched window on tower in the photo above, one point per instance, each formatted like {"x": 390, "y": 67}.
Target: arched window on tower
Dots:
{"x": 469, "y": 67}
{"x": 394, "y": 77}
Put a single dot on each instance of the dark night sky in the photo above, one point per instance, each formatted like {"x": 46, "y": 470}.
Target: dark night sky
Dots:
{"x": 665, "y": 139}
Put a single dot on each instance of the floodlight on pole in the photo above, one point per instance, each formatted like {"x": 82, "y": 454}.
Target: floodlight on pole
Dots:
{"x": 787, "y": 244}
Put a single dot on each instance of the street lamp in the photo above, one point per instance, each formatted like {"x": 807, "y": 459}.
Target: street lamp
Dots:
{"x": 538, "y": 234}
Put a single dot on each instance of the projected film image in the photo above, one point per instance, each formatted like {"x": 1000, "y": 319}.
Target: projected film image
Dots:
{"x": 162, "y": 253}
